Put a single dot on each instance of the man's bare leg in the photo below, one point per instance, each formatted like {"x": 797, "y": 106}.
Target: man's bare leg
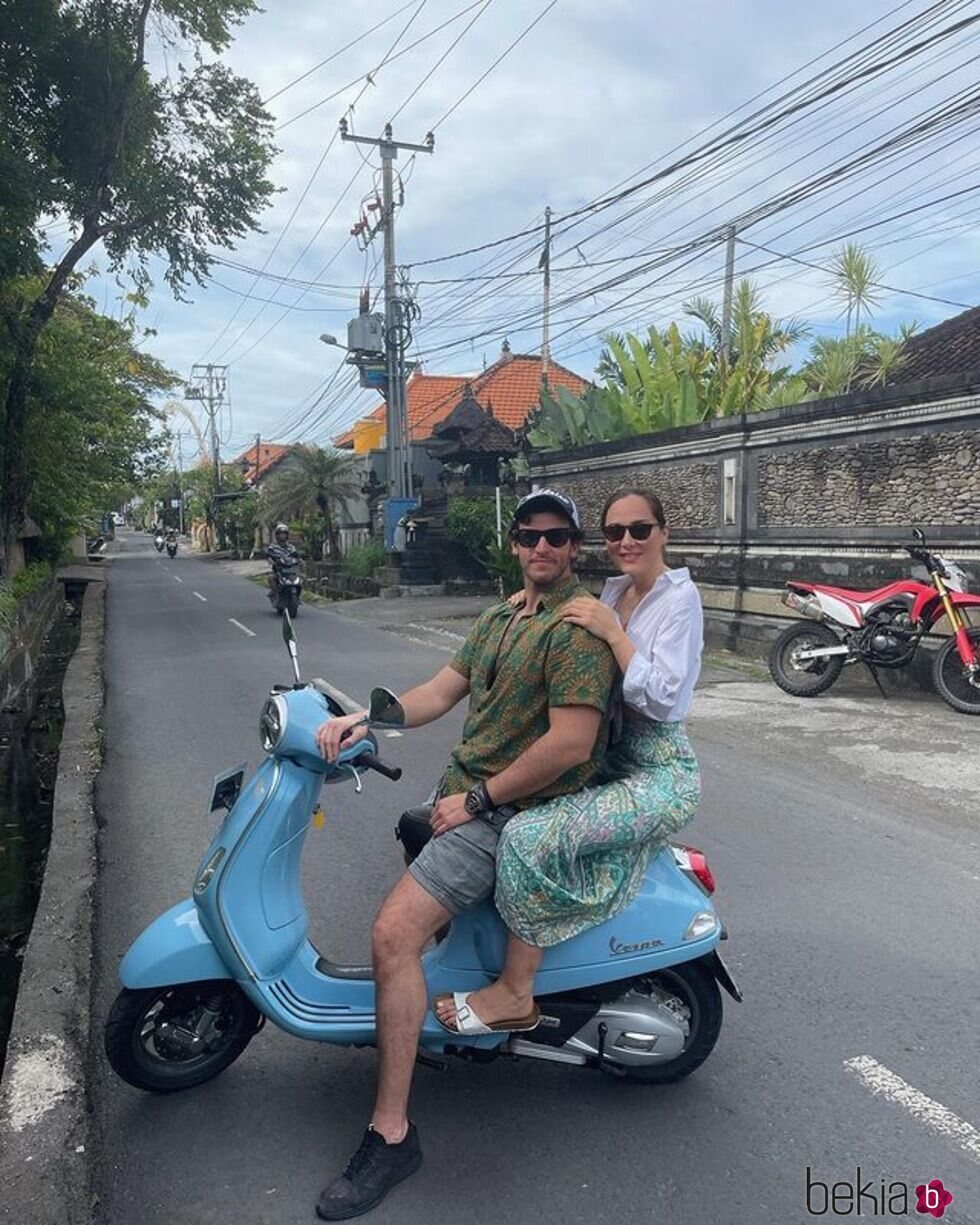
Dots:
{"x": 511, "y": 996}
{"x": 408, "y": 919}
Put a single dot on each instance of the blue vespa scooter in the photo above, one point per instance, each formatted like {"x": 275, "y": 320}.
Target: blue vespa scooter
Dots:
{"x": 636, "y": 996}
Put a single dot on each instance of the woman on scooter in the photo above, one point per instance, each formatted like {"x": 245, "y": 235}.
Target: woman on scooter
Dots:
{"x": 575, "y": 861}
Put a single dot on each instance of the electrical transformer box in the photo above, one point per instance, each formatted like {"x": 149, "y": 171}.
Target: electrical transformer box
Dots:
{"x": 366, "y": 334}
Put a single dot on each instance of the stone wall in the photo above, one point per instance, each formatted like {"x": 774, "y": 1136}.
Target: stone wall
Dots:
{"x": 933, "y": 478}
{"x": 690, "y": 490}
{"x": 826, "y": 491}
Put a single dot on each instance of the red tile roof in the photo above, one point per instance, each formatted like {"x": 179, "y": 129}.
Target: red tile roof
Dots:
{"x": 509, "y": 389}
{"x": 270, "y": 453}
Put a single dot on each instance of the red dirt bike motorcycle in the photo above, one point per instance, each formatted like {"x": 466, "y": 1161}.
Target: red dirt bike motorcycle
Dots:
{"x": 882, "y": 629}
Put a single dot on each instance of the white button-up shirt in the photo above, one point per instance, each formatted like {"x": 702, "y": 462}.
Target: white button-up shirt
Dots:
{"x": 667, "y": 629}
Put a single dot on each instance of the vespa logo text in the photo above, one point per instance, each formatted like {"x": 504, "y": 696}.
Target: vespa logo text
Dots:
{"x": 617, "y": 949}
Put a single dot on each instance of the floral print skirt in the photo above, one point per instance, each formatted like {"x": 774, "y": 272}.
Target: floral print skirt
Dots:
{"x": 579, "y": 859}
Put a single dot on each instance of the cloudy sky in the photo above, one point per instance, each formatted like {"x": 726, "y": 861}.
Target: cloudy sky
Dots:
{"x": 595, "y": 97}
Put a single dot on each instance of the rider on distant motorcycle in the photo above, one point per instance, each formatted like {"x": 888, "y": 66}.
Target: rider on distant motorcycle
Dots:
{"x": 282, "y": 552}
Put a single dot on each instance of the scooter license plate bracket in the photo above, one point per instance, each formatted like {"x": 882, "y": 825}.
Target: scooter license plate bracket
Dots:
{"x": 227, "y": 787}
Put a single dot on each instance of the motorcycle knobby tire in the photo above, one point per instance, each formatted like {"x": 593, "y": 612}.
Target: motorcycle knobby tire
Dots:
{"x": 804, "y": 682}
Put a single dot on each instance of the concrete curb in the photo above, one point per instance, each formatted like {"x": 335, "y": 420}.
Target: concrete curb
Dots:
{"x": 44, "y": 1121}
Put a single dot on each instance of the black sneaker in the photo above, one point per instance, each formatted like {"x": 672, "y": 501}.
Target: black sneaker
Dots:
{"x": 374, "y": 1169}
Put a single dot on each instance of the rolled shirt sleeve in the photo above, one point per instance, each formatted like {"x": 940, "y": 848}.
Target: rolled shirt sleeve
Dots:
{"x": 665, "y": 665}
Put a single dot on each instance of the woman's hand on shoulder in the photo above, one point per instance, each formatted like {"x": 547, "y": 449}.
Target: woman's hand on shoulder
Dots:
{"x": 592, "y": 615}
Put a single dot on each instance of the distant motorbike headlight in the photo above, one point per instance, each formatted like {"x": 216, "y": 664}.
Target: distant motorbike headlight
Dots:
{"x": 271, "y": 723}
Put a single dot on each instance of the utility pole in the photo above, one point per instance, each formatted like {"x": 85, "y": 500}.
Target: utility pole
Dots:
{"x": 545, "y": 264}
{"x": 208, "y": 385}
{"x": 180, "y": 483}
{"x": 398, "y": 446}
{"x": 258, "y": 456}
{"x": 726, "y": 301}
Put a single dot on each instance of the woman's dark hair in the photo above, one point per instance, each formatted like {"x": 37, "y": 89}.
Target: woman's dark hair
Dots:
{"x": 651, "y": 499}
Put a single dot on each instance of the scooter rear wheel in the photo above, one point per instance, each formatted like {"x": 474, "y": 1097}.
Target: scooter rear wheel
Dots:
{"x": 167, "y": 1038}
{"x": 693, "y": 992}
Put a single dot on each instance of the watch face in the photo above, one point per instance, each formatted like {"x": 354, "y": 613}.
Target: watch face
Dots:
{"x": 472, "y": 803}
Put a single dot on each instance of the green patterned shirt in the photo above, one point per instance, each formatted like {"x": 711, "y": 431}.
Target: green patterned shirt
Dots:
{"x": 544, "y": 662}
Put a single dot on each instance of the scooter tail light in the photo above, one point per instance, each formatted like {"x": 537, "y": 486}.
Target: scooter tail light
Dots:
{"x": 699, "y": 868}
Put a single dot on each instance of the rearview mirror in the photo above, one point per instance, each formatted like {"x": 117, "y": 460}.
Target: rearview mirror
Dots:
{"x": 385, "y": 709}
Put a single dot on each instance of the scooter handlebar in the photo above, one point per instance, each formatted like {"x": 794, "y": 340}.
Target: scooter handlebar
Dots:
{"x": 371, "y": 762}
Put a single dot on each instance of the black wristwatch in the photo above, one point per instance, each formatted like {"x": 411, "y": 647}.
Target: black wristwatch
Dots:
{"x": 478, "y": 800}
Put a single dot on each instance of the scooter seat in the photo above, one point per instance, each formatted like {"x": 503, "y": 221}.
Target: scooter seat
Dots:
{"x": 413, "y": 830}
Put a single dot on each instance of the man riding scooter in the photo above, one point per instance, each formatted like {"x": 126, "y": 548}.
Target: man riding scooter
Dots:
{"x": 283, "y": 557}
{"x": 539, "y": 689}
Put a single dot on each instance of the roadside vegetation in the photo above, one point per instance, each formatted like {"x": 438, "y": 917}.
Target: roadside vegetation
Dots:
{"x": 100, "y": 155}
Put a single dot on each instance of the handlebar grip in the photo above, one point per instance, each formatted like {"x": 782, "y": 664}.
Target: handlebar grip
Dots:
{"x": 375, "y": 763}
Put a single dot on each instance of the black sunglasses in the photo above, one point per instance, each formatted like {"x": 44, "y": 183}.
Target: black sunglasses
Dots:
{"x": 557, "y": 537}
{"x": 616, "y": 531}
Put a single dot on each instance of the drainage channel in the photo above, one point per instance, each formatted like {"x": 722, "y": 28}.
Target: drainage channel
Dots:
{"x": 30, "y": 738}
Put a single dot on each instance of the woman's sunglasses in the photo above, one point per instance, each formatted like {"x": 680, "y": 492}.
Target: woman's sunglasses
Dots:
{"x": 557, "y": 537}
{"x": 616, "y": 531}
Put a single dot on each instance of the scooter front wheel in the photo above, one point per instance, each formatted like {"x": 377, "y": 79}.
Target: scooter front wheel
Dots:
{"x": 691, "y": 992}
{"x": 167, "y": 1038}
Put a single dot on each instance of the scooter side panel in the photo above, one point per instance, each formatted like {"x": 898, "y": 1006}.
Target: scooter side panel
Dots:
{"x": 648, "y": 935}
{"x": 174, "y": 949}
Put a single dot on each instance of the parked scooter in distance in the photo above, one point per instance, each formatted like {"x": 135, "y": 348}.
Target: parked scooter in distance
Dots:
{"x": 882, "y": 629}
{"x": 637, "y": 996}
{"x": 171, "y": 544}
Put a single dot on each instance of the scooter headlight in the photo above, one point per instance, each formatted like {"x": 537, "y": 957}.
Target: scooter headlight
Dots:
{"x": 271, "y": 723}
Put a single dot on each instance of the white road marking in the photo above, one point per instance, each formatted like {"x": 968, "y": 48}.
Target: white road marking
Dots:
{"x": 424, "y": 642}
{"x": 392, "y": 735}
{"x": 243, "y": 628}
{"x": 434, "y": 629}
{"x": 884, "y": 1083}
{"x": 176, "y": 579}
{"x": 201, "y": 597}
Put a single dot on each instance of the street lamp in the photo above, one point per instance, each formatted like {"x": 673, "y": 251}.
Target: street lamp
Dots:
{"x": 332, "y": 340}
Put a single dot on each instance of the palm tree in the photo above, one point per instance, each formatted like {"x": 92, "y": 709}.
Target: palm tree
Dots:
{"x": 314, "y": 487}
{"x": 854, "y": 276}
{"x": 748, "y": 379}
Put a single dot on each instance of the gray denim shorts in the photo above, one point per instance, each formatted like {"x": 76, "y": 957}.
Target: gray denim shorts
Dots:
{"x": 459, "y": 868}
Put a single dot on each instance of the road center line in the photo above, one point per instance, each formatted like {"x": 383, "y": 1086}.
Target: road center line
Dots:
{"x": 884, "y": 1083}
{"x": 201, "y": 597}
{"x": 176, "y": 579}
{"x": 243, "y": 628}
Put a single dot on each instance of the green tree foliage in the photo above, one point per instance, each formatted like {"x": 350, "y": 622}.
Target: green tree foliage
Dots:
{"x": 473, "y": 522}
{"x": 141, "y": 164}
{"x": 89, "y": 439}
{"x": 312, "y": 485}
{"x": 665, "y": 380}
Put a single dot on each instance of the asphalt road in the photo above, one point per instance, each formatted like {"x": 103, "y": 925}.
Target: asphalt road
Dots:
{"x": 843, "y": 834}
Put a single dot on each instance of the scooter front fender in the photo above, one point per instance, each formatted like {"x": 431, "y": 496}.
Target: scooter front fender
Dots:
{"x": 174, "y": 949}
